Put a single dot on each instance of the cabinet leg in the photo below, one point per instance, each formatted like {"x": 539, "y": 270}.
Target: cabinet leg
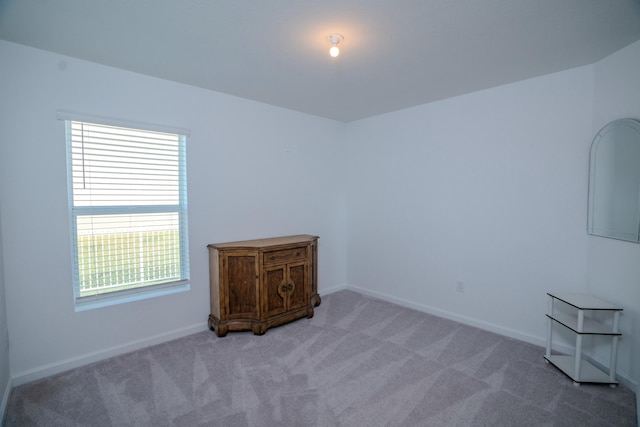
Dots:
{"x": 614, "y": 346}
{"x": 578, "y": 357}
{"x": 315, "y": 300}
{"x": 549, "y": 327}
{"x": 258, "y": 328}
{"x": 221, "y": 330}
{"x": 215, "y": 326}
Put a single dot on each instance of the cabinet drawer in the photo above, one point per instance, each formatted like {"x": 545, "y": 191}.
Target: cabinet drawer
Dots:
{"x": 285, "y": 255}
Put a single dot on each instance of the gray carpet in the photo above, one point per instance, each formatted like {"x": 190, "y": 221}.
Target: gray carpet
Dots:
{"x": 358, "y": 362}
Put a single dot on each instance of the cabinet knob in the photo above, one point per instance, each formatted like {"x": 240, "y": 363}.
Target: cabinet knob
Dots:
{"x": 289, "y": 287}
{"x": 273, "y": 257}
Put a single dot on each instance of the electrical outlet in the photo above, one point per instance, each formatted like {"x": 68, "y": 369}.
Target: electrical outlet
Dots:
{"x": 460, "y": 286}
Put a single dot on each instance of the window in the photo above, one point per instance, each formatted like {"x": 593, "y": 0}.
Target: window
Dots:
{"x": 128, "y": 209}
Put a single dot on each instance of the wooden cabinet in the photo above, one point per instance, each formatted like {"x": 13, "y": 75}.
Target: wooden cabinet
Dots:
{"x": 257, "y": 284}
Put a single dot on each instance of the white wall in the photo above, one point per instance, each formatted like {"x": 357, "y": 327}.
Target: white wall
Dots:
{"x": 613, "y": 265}
{"x": 490, "y": 189}
{"x": 253, "y": 171}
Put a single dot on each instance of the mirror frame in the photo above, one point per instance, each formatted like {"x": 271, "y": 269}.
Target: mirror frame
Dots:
{"x": 606, "y": 136}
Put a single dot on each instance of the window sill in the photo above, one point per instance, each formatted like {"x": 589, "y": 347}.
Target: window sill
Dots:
{"x": 90, "y": 303}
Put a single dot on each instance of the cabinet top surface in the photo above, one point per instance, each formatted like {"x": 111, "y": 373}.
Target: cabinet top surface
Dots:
{"x": 273, "y": 241}
{"x": 584, "y": 301}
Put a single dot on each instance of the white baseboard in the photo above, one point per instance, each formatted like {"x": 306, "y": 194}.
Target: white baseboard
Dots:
{"x": 75, "y": 362}
{"x": 511, "y": 333}
{"x": 332, "y": 290}
{"x": 622, "y": 377}
{"x": 85, "y": 359}
{"x": 5, "y": 400}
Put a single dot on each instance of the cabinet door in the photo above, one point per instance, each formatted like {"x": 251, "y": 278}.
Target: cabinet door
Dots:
{"x": 275, "y": 288}
{"x": 242, "y": 286}
{"x": 298, "y": 284}
{"x": 287, "y": 288}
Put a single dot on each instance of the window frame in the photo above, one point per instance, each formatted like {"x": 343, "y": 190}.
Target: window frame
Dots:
{"x": 82, "y": 303}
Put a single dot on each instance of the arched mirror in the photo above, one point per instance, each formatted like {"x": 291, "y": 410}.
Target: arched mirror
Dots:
{"x": 614, "y": 182}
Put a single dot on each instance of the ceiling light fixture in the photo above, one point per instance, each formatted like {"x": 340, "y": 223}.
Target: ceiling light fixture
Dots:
{"x": 334, "y": 39}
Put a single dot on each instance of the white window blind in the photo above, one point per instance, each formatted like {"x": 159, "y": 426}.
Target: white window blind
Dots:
{"x": 128, "y": 205}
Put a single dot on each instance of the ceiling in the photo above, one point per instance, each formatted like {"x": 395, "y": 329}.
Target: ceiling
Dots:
{"x": 396, "y": 53}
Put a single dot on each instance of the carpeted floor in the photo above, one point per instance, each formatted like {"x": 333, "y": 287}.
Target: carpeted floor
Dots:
{"x": 358, "y": 362}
